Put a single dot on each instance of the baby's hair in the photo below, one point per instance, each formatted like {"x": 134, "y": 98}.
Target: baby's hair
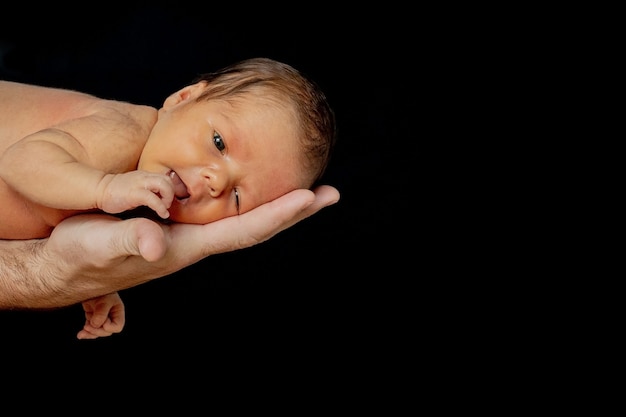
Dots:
{"x": 282, "y": 84}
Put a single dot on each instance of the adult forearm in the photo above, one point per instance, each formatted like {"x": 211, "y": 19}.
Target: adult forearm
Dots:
{"x": 25, "y": 282}
{"x": 85, "y": 257}
{"x": 82, "y": 261}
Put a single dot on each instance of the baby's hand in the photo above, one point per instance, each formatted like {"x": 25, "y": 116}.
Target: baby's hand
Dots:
{"x": 103, "y": 316}
{"x": 134, "y": 189}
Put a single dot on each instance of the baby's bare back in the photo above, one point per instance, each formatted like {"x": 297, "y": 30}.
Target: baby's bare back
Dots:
{"x": 102, "y": 127}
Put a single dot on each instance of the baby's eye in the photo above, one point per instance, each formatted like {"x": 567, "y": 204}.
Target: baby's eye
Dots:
{"x": 219, "y": 142}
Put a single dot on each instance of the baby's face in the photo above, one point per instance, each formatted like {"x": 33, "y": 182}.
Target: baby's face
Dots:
{"x": 224, "y": 159}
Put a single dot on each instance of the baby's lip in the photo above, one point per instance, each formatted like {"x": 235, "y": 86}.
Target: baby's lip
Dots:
{"x": 180, "y": 189}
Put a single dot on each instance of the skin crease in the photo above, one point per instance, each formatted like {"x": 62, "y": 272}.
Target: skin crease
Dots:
{"x": 190, "y": 161}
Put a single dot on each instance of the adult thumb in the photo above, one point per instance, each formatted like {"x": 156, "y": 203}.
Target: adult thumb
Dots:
{"x": 143, "y": 237}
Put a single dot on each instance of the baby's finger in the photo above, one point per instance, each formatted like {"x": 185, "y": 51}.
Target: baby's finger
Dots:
{"x": 162, "y": 195}
{"x": 90, "y": 332}
{"x": 85, "y": 335}
{"x": 156, "y": 203}
{"x": 98, "y": 317}
{"x": 162, "y": 186}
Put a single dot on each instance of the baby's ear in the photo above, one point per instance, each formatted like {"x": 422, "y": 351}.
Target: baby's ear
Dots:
{"x": 185, "y": 93}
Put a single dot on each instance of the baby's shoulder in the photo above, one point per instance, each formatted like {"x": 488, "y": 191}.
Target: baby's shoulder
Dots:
{"x": 127, "y": 115}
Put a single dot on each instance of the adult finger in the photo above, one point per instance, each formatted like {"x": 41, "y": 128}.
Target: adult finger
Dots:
{"x": 253, "y": 227}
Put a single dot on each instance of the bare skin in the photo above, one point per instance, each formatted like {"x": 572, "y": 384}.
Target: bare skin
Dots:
{"x": 89, "y": 256}
{"x": 49, "y": 122}
{"x": 198, "y": 161}
{"x": 190, "y": 162}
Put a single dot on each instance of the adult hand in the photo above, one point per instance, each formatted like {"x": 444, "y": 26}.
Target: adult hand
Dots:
{"x": 91, "y": 255}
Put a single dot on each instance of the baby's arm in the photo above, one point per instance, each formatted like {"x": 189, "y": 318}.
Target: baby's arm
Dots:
{"x": 47, "y": 168}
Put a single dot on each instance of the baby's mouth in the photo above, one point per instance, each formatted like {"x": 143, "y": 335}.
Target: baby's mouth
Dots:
{"x": 180, "y": 189}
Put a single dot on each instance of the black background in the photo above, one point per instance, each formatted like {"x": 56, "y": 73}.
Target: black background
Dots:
{"x": 320, "y": 292}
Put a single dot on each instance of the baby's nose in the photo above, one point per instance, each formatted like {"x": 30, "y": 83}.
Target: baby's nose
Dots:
{"x": 215, "y": 181}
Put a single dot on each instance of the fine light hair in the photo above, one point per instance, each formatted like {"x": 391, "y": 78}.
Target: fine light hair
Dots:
{"x": 282, "y": 84}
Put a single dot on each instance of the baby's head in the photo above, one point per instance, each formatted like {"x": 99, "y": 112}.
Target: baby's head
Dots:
{"x": 240, "y": 137}
{"x": 278, "y": 84}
